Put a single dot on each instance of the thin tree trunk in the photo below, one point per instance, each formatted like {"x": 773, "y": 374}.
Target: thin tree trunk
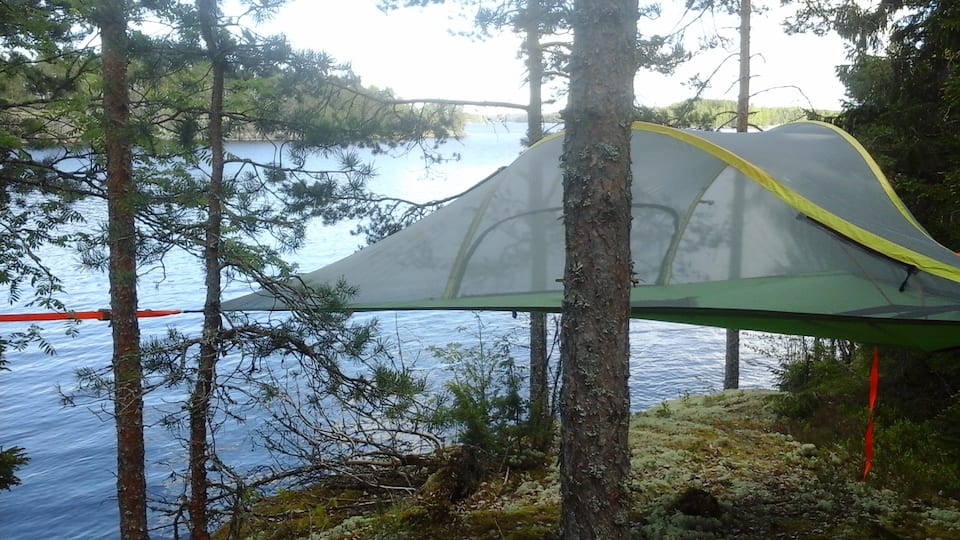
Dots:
{"x": 595, "y": 397}
{"x": 540, "y": 419}
{"x": 743, "y": 98}
{"x": 122, "y": 240}
{"x": 210, "y": 346}
{"x": 731, "y": 370}
{"x": 534, "y": 71}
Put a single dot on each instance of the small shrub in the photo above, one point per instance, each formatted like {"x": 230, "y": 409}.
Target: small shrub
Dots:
{"x": 801, "y": 405}
{"x": 663, "y": 411}
{"x": 916, "y": 434}
{"x": 947, "y": 423}
{"x": 810, "y": 370}
{"x": 483, "y": 402}
{"x": 914, "y": 456}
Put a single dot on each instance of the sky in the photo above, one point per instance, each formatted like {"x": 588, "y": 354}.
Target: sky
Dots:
{"x": 412, "y": 51}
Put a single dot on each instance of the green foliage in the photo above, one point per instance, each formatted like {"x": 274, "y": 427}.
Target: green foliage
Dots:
{"x": 663, "y": 411}
{"x": 11, "y": 459}
{"x": 913, "y": 455}
{"x": 917, "y": 431}
{"x": 484, "y": 392}
{"x": 482, "y": 401}
{"x": 38, "y": 191}
{"x": 902, "y": 88}
{"x": 812, "y": 375}
{"x": 946, "y": 424}
{"x": 917, "y": 412}
{"x": 303, "y": 102}
{"x": 809, "y": 362}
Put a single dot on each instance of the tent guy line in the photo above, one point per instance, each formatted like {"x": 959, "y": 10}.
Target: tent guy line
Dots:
{"x": 97, "y": 315}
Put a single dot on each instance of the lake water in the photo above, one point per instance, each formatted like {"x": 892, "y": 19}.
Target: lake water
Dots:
{"x": 68, "y": 488}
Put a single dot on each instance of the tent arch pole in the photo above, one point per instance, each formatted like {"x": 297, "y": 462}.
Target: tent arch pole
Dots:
{"x": 459, "y": 263}
{"x": 455, "y": 279}
{"x": 453, "y": 284}
{"x": 666, "y": 267}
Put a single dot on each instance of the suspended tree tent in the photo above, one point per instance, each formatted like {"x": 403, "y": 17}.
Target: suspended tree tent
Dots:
{"x": 792, "y": 230}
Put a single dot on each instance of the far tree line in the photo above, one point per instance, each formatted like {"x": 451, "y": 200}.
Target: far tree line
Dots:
{"x": 708, "y": 114}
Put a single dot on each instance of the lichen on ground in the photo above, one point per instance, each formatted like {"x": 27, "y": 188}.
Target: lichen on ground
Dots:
{"x": 710, "y": 466}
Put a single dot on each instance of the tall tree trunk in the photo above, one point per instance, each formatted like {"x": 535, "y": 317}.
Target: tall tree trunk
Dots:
{"x": 743, "y": 98}
{"x": 122, "y": 240}
{"x": 731, "y": 366}
{"x": 534, "y": 71}
{"x": 210, "y": 346}
{"x": 596, "y": 307}
{"x": 731, "y": 370}
{"x": 540, "y": 419}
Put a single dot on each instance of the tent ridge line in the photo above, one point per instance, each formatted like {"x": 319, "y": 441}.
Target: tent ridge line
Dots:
{"x": 807, "y": 207}
{"x": 875, "y": 169}
{"x": 666, "y": 267}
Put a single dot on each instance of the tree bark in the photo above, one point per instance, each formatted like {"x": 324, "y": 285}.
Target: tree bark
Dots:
{"x": 122, "y": 240}
{"x": 731, "y": 369}
{"x": 541, "y": 423}
{"x": 212, "y": 323}
{"x": 743, "y": 98}
{"x": 596, "y": 307}
{"x": 534, "y": 51}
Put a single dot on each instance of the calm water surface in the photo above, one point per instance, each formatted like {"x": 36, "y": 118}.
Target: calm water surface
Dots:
{"x": 68, "y": 488}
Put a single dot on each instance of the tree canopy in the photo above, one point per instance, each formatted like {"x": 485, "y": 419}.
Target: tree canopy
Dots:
{"x": 138, "y": 120}
{"x": 903, "y": 92}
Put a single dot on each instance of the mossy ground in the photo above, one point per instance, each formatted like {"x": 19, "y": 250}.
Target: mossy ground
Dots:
{"x": 730, "y": 449}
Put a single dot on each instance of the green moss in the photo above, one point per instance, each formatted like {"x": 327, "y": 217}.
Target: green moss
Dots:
{"x": 765, "y": 482}
{"x": 294, "y": 514}
{"x": 526, "y": 523}
{"x": 532, "y": 522}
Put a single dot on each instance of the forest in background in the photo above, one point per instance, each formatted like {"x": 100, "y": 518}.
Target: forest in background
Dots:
{"x": 708, "y": 114}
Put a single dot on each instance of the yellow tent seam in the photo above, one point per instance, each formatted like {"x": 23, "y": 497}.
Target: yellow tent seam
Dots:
{"x": 877, "y": 172}
{"x": 806, "y": 206}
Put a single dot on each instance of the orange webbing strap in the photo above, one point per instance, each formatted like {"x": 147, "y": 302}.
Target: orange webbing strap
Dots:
{"x": 99, "y": 315}
{"x": 874, "y": 380}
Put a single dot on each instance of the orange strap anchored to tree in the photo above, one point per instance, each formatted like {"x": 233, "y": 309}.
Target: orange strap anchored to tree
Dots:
{"x": 99, "y": 315}
{"x": 874, "y": 380}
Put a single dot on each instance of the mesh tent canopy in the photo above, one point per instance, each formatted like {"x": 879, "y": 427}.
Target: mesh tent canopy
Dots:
{"x": 791, "y": 230}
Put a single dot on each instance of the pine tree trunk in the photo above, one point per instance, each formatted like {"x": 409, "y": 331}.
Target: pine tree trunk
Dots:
{"x": 122, "y": 240}
{"x": 743, "y": 97}
{"x": 541, "y": 422}
{"x": 595, "y": 397}
{"x": 731, "y": 369}
{"x": 210, "y": 346}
